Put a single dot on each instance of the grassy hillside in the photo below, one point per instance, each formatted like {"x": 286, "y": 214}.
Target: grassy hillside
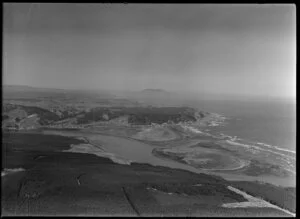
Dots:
{"x": 61, "y": 183}
{"x": 140, "y": 115}
{"x": 283, "y": 197}
{"x": 136, "y": 115}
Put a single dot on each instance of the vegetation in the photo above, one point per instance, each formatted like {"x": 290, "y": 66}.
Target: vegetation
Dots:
{"x": 4, "y": 117}
{"x": 39, "y": 142}
{"x": 257, "y": 168}
{"x": 139, "y": 115}
{"x": 136, "y": 115}
{"x": 33, "y": 100}
{"x": 96, "y": 114}
{"x": 8, "y": 107}
{"x": 45, "y": 116}
{"x": 282, "y": 197}
{"x": 51, "y": 186}
{"x": 160, "y": 115}
{"x": 209, "y": 189}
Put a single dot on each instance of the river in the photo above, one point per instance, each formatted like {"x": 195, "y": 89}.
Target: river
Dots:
{"x": 140, "y": 152}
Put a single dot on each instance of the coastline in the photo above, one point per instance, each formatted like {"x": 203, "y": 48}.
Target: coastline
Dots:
{"x": 60, "y": 156}
{"x": 148, "y": 157}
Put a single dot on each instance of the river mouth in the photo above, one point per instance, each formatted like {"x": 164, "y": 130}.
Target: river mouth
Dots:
{"x": 129, "y": 150}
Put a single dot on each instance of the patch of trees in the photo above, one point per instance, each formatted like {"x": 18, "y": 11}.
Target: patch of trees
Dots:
{"x": 8, "y": 107}
{"x": 204, "y": 189}
{"x": 68, "y": 114}
{"x": 45, "y": 116}
{"x": 40, "y": 142}
{"x": 146, "y": 116}
{"x": 147, "y": 119}
{"x": 98, "y": 114}
{"x": 4, "y": 117}
{"x": 139, "y": 115}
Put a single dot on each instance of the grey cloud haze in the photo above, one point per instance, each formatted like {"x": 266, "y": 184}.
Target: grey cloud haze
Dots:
{"x": 235, "y": 49}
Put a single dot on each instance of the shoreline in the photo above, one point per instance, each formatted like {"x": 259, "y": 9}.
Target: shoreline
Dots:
{"x": 167, "y": 162}
{"x": 158, "y": 161}
{"x": 65, "y": 160}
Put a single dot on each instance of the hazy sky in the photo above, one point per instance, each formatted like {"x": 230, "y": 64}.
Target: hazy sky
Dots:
{"x": 239, "y": 49}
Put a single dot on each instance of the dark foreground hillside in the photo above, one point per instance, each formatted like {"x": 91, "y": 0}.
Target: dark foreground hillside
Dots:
{"x": 60, "y": 183}
{"x": 283, "y": 197}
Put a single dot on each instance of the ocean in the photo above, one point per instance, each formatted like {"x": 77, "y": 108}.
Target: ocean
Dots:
{"x": 269, "y": 123}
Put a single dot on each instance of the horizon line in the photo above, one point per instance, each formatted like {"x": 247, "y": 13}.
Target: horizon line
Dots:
{"x": 181, "y": 92}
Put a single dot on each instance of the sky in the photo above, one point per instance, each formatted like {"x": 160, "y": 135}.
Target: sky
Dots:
{"x": 219, "y": 49}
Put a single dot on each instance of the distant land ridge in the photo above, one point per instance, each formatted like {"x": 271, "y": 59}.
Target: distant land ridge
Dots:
{"x": 154, "y": 90}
